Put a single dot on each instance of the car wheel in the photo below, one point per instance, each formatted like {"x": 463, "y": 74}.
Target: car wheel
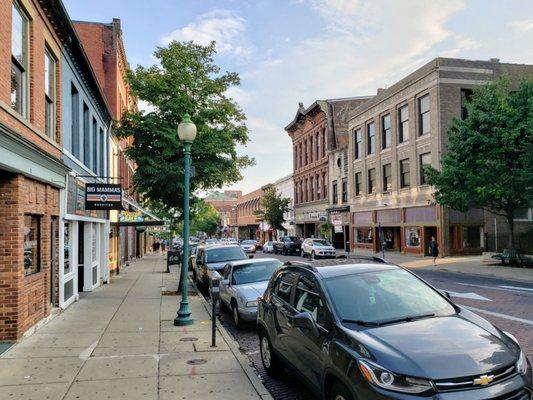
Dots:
{"x": 339, "y": 392}
{"x": 235, "y": 315}
{"x": 268, "y": 357}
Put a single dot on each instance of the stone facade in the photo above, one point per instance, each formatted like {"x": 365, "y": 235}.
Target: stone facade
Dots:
{"x": 408, "y": 123}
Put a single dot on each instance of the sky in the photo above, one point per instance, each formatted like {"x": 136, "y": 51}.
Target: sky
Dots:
{"x": 290, "y": 51}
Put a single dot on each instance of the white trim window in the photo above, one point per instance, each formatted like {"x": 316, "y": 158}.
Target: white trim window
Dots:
{"x": 50, "y": 94}
{"x": 19, "y": 60}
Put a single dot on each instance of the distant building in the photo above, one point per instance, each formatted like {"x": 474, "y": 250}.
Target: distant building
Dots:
{"x": 226, "y": 204}
{"x": 285, "y": 189}
{"x": 392, "y": 137}
{"x": 247, "y": 223}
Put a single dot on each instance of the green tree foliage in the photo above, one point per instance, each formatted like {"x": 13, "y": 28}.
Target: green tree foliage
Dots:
{"x": 204, "y": 218}
{"x": 185, "y": 80}
{"x": 272, "y": 209}
{"x": 489, "y": 158}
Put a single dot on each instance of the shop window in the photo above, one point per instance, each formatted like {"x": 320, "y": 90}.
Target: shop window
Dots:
{"x": 363, "y": 235}
{"x": 403, "y": 124}
{"x": 66, "y": 249}
{"x": 32, "y": 244}
{"x": 412, "y": 237}
{"x": 472, "y": 237}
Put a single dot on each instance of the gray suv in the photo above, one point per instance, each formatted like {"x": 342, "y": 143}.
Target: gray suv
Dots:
{"x": 375, "y": 331}
{"x": 211, "y": 258}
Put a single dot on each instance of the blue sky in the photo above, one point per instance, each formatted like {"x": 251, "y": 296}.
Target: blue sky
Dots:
{"x": 301, "y": 50}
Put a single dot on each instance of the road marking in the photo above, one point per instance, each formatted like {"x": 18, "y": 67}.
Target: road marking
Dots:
{"x": 495, "y": 314}
{"x": 521, "y": 291}
{"x": 471, "y": 295}
{"x": 517, "y": 288}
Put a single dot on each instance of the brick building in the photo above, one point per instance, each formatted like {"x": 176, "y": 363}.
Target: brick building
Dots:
{"x": 31, "y": 171}
{"x": 104, "y": 45}
{"x": 247, "y": 205}
{"x": 393, "y": 136}
{"x": 310, "y": 167}
{"x": 226, "y": 205}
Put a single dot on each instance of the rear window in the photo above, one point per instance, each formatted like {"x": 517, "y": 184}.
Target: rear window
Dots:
{"x": 292, "y": 239}
{"x": 222, "y": 254}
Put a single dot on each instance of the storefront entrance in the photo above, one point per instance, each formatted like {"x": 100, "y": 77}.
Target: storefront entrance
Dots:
{"x": 392, "y": 238}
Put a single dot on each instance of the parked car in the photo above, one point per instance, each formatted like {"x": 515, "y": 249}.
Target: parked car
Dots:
{"x": 258, "y": 245}
{"x": 287, "y": 245}
{"x": 377, "y": 331}
{"x": 268, "y": 247}
{"x": 242, "y": 283}
{"x": 317, "y": 248}
{"x": 249, "y": 246}
{"x": 211, "y": 258}
{"x": 211, "y": 241}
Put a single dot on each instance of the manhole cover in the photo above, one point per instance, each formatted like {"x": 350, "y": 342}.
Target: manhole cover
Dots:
{"x": 188, "y": 339}
{"x": 197, "y": 361}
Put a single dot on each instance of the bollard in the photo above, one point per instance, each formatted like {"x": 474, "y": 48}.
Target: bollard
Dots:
{"x": 215, "y": 296}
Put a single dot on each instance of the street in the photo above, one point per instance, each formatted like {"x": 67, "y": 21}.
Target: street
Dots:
{"x": 505, "y": 303}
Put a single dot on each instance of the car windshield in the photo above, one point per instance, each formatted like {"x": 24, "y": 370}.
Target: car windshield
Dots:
{"x": 248, "y": 242}
{"x": 384, "y": 296}
{"x": 292, "y": 239}
{"x": 321, "y": 243}
{"x": 254, "y": 272}
{"x": 221, "y": 254}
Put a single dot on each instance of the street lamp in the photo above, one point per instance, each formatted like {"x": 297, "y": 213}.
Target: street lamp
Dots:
{"x": 187, "y": 134}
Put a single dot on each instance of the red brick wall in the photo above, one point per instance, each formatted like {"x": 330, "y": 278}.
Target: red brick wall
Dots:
{"x": 24, "y": 299}
{"x": 33, "y": 126}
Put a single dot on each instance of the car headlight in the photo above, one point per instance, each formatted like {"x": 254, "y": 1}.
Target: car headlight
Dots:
{"x": 521, "y": 364}
{"x": 381, "y": 377}
{"x": 251, "y": 303}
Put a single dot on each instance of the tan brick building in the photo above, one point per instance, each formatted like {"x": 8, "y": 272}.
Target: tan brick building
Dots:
{"x": 392, "y": 137}
{"x": 31, "y": 171}
{"x": 247, "y": 205}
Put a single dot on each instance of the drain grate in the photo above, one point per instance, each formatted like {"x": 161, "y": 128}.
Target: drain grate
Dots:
{"x": 197, "y": 361}
{"x": 189, "y": 339}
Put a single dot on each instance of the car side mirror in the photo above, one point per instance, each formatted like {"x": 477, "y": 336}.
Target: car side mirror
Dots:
{"x": 250, "y": 256}
{"x": 446, "y": 294}
{"x": 304, "y": 320}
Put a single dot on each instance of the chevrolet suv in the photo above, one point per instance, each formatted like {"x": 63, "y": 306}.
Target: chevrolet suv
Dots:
{"x": 373, "y": 331}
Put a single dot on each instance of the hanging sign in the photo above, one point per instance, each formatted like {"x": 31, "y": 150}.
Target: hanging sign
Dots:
{"x": 103, "y": 196}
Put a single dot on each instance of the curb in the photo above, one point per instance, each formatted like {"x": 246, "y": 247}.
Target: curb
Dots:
{"x": 262, "y": 392}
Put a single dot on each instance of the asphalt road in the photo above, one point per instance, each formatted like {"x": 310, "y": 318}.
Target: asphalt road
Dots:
{"x": 507, "y": 304}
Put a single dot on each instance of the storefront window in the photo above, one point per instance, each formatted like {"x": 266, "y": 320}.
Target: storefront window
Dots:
{"x": 412, "y": 237}
{"x": 93, "y": 236}
{"x": 32, "y": 244}
{"x": 363, "y": 235}
{"x": 66, "y": 249}
{"x": 472, "y": 237}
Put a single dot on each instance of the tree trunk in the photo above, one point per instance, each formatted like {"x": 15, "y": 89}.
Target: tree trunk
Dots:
{"x": 510, "y": 223}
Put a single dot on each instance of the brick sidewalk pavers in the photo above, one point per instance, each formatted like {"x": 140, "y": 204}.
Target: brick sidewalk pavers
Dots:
{"x": 120, "y": 342}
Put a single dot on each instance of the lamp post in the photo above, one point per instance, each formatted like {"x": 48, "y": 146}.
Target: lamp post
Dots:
{"x": 187, "y": 134}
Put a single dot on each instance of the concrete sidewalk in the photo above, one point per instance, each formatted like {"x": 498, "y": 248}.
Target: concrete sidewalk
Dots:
{"x": 119, "y": 342}
{"x": 471, "y": 265}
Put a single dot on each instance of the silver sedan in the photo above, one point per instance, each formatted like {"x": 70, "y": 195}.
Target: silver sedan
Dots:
{"x": 242, "y": 283}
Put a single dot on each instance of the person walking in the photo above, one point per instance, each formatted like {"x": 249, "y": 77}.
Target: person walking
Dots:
{"x": 433, "y": 249}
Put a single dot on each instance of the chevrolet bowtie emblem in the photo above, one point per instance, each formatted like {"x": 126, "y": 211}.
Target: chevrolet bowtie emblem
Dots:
{"x": 484, "y": 380}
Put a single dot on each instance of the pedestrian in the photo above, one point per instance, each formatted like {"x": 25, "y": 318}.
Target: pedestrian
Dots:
{"x": 157, "y": 245}
{"x": 433, "y": 249}
{"x": 154, "y": 246}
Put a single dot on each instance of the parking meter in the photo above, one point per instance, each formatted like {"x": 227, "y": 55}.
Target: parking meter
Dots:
{"x": 215, "y": 296}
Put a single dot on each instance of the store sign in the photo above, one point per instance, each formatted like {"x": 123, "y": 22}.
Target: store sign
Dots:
{"x": 103, "y": 196}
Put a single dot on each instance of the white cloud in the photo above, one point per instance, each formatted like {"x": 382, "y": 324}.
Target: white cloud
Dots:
{"x": 523, "y": 25}
{"x": 222, "y": 26}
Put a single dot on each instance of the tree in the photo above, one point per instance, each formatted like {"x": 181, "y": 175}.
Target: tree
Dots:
{"x": 489, "y": 159}
{"x": 204, "y": 218}
{"x": 185, "y": 80}
{"x": 273, "y": 208}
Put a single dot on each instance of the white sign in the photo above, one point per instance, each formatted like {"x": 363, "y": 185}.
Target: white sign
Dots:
{"x": 338, "y": 229}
